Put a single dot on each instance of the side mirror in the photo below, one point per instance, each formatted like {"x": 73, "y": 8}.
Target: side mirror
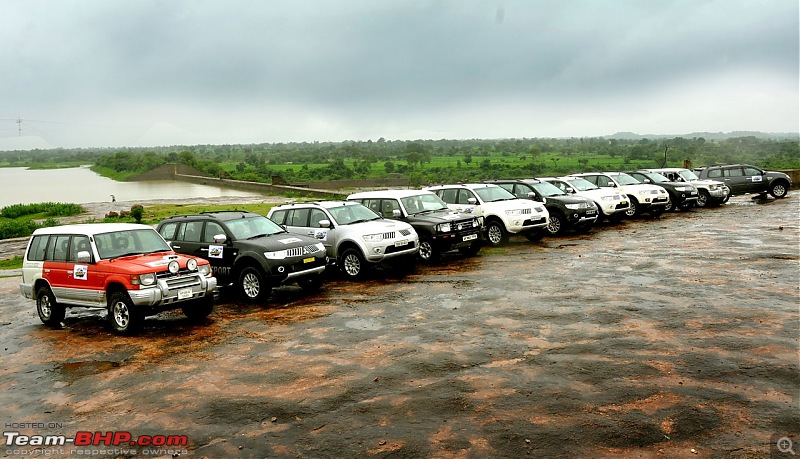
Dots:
{"x": 220, "y": 238}
{"x": 324, "y": 223}
{"x": 84, "y": 256}
{"x": 396, "y": 213}
{"x": 472, "y": 201}
{"x": 531, "y": 195}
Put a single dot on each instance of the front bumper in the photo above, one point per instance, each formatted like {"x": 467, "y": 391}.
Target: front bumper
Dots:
{"x": 381, "y": 251}
{"x": 445, "y": 242}
{"x": 174, "y": 291}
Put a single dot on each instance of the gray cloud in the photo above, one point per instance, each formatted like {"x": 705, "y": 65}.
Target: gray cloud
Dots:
{"x": 106, "y": 73}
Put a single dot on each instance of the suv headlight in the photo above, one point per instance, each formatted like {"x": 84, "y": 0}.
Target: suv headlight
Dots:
{"x": 682, "y": 188}
{"x": 476, "y": 223}
{"x": 443, "y": 227}
{"x": 574, "y": 206}
{"x": 143, "y": 279}
{"x": 655, "y": 191}
{"x": 610, "y": 198}
{"x": 713, "y": 186}
{"x": 514, "y": 212}
{"x": 277, "y": 255}
{"x": 373, "y": 237}
{"x": 205, "y": 270}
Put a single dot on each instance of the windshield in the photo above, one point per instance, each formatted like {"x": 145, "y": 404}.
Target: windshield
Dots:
{"x": 352, "y": 213}
{"x": 625, "y": 179}
{"x": 493, "y": 193}
{"x": 656, "y": 178}
{"x": 244, "y": 228}
{"x": 688, "y": 175}
{"x": 130, "y": 242}
{"x": 547, "y": 189}
{"x": 582, "y": 184}
{"x": 422, "y": 203}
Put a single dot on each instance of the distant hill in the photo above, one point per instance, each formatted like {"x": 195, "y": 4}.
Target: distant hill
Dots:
{"x": 708, "y": 135}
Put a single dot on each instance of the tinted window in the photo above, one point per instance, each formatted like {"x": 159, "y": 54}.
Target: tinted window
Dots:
{"x": 751, "y": 171}
{"x": 279, "y": 216}
{"x": 79, "y": 244}
{"x": 298, "y": 217}
{"x": 192, "y": 231}
{"x": 168, "y": 231}
{"x": 37, "y": 248}
{"x": 61, "y": 248}
{"x": 463, "y": 196}
{"x": 388, "y": 206}
{"x": 448, "y": 195}
{"x": 715, "y": 173}
{"x": 735, "y": 172}
{"x": 212, "y": 229}
{"x": 316, "y": 217}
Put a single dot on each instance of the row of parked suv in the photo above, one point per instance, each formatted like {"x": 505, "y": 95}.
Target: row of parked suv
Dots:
{"x": 133, "y": 271}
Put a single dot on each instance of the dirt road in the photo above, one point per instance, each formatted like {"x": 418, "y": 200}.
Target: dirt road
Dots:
{"x": 676, "y": 337}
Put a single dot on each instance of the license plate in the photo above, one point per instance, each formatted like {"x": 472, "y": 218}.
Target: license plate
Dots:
{"x": 590, "y": 212}
{"x": 400, "y": 243}
{"x": 308, "y": 260}
{"x": 184, "y": 293}
{"x": 470, "y": 237}
{"x": 624, "y": 203}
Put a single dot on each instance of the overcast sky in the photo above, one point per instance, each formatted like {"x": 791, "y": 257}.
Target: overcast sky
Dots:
{"x": 144, "y": 72}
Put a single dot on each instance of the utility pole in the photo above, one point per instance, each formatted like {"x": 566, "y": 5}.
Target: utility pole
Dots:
{"x": 19, "y": 126}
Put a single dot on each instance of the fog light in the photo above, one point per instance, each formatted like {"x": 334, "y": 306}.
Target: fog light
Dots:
{"x": 281, "y": 269}
{"x": 377, "y": 250}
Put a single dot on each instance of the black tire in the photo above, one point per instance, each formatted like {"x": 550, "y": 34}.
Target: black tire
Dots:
{"x": 51, "y": 312}
{"x": 124, "y": 317}
{"x": 471, "y": 249}
{"x": 496, "y": 233}
{"x": 252, "y": 286}
{"x": 703, "y": 198}
{"x": 556, "y": 224}
{"x": 778, "y": 189}
{"x": 199, "y": 309}
{"x": 633, "y": 209}
{"x": 670, "y": 205}
{"x": 427, "y": 252}
{"x": 312, "y": 283}
{"x": 351, "y": 263}
{"x": 535, "y": 234}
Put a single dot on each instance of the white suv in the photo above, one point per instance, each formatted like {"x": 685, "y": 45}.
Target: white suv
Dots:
{"x": 612, "y": 203}
{"x": 643, "y": 197}
{"x": 353, "y": 234}
{"x": 711, "y": 192}
{"x": 502, "y": 212}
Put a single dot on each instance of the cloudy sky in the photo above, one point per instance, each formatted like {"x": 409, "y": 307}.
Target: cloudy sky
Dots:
{"x": 91, "y": 73}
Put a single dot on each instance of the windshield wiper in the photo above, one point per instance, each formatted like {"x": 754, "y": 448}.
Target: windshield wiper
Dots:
{"x": 130, "y": 253}
{"x": 259, "y": 235}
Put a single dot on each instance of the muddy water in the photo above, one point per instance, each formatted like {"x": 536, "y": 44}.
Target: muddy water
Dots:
{"x": 649, "y": 338}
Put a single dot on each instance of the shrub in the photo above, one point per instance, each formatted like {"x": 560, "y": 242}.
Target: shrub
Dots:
{"x": 137, "y": 212}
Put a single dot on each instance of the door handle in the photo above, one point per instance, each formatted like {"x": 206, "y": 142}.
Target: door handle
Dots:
{"x": 176, "y": 246}
{"x": 69, "y": 273}
{"x": 204, "y": 250}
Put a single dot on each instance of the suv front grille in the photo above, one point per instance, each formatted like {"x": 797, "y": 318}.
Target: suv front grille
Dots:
{"x": 405, "y": 232}
{"x": 300, "y": 251}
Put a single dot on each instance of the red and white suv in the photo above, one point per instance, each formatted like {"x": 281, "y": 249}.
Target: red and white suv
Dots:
{"x": 125, "y": 268}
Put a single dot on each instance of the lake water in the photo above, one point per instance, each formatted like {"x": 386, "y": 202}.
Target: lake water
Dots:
{"x": 82, "y": 185}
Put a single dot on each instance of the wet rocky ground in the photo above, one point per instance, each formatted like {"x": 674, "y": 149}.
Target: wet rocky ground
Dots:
{"x": 673, "y": 337}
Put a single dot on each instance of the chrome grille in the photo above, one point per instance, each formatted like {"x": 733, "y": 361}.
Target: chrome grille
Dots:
{"x": 300, "y": 251}
{"x": 405, "y": 232}
{"x": 175, "y": 283}
{"x": 389, "y": 235}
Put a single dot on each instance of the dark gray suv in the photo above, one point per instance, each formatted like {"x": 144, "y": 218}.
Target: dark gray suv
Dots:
{"x": 745, "y": 179}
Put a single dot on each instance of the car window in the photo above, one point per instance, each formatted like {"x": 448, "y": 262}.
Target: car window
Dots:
{"x": 547, "y": 189}
{"x": 212, "y": 229}
{"x": 751, "y": 171}
{"x": 714, "y": 173}
{"x": 79, "y": 244}
{"x": 316, "y": 217}
{"x": 37, "y": 248}
{"x": 463, "y": 196}
{"x": 510, "y": 188}
{"x": 60, "y": 249}
{"x": 388, "y": 206}
{"x": 448, "y": 195}
{"x": 373, "y": 204}
{"x": 192, "y": 231}
{"x": 298, "y": 217}
{"x": 279, "y": 217}
{"x": 601, "y": 180}
{"x": 734, "y": 172}
{"x": 167, "y": 231}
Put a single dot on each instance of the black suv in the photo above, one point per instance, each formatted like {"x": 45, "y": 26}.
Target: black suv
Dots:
{"x": 439, "y": 228}
{"x": 744, "y": 179}
{"x": 682, "y": 196}
{"x": 566, "y": 211}
{"x": 247, "y": 250}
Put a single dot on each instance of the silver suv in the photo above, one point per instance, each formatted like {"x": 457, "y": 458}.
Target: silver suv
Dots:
{"x": 354, "y": 236}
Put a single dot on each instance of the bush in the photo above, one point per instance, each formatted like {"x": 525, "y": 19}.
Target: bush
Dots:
{"x": 50, "y": 209}
{"x": 137, "y": 212}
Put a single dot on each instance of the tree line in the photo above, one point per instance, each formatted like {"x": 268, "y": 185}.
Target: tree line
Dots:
{"x": 426, "y": 161}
